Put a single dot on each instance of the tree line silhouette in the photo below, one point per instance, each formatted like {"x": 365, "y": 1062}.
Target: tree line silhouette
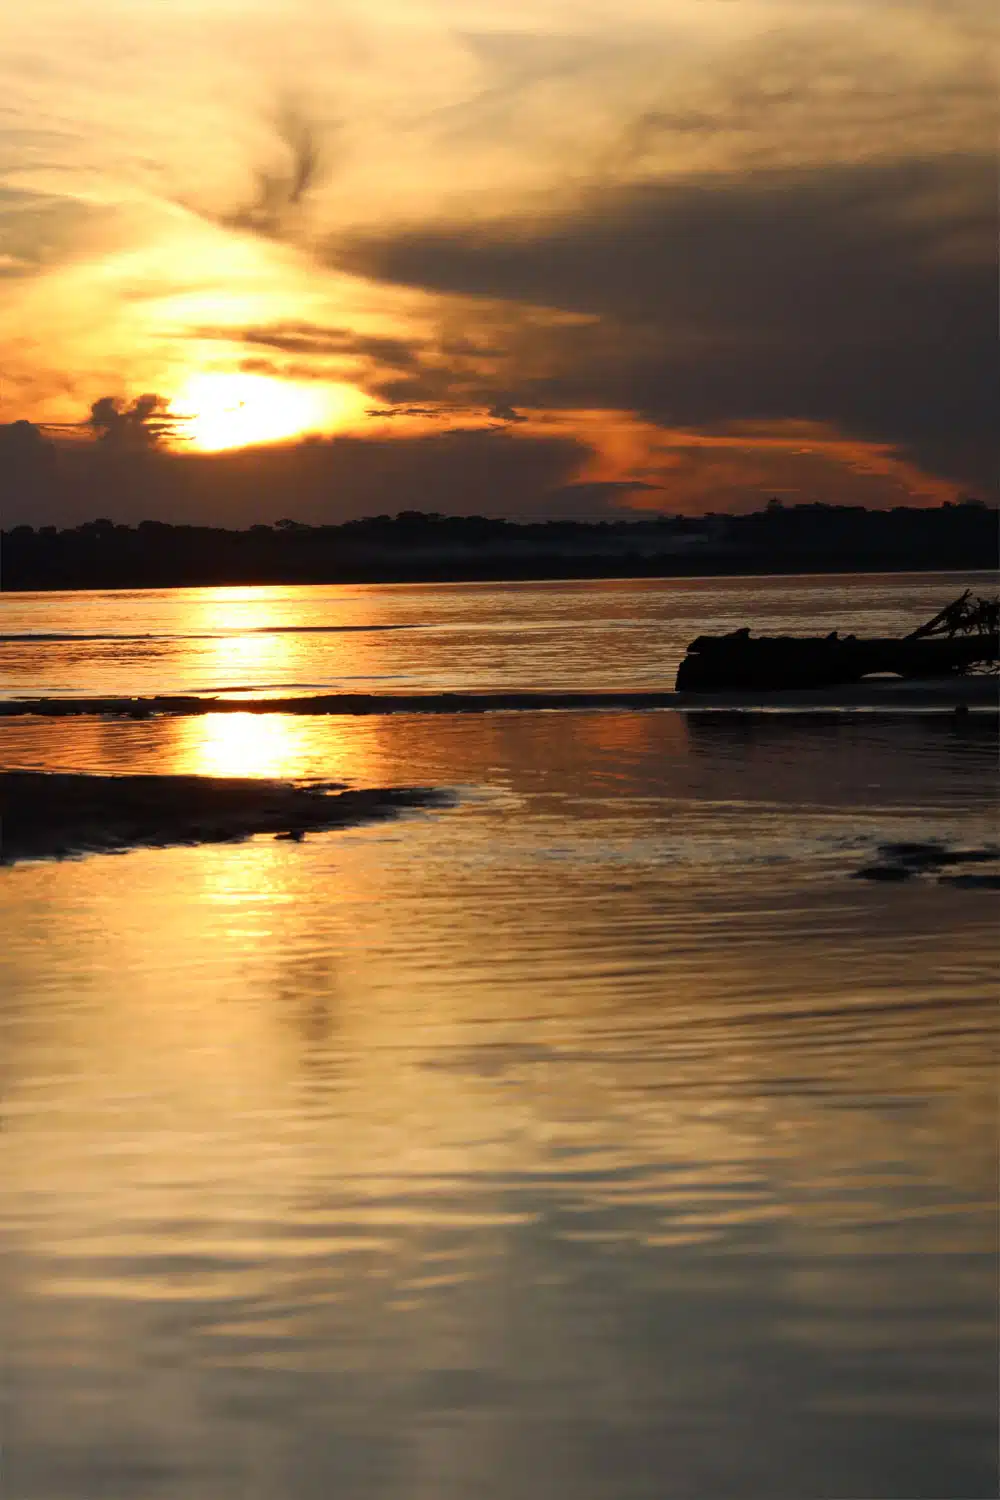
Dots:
{"x": 416, "y": 545}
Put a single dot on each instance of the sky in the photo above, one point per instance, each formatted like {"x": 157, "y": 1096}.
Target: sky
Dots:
{"x": 677, "y": 255}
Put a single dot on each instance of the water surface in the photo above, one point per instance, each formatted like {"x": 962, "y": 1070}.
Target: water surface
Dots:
{"x": 615, "y": 634}
{"x": 596, "y": 1137}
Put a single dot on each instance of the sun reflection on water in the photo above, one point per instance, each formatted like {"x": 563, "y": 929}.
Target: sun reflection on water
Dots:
{"x": 268, "y": 641}
{"x": 244, "y": 745}
{"x": 283, "y": 747}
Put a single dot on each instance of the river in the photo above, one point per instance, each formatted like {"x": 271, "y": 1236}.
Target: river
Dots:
{"x": 595, "y": 1137}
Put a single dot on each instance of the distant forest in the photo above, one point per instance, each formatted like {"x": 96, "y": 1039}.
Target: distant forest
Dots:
{"x": 416, "y": 546}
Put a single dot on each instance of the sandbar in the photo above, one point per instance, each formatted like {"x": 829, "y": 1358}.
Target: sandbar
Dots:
{"x": 940, "y": 694}
{"x": 46, "y": 815}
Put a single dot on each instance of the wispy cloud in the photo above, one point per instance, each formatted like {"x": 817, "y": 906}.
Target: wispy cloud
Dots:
{"x": 281, "y": 192}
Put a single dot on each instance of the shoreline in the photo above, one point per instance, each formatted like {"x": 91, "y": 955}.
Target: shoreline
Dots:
{"x": 549, "y": 567}
{"x": 58, "y": 814}
{"x": 940, "y": 695}
{"x": 713, "y": 567}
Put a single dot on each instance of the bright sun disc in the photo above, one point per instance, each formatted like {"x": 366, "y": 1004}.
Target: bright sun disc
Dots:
{"x": 222, "y": 411}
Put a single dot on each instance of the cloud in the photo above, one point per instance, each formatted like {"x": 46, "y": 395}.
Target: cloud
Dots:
{"x": 813, "y": 90}
{"x": 389, "y": 413}
{"x": 39, "y": 228}
{"x": 502, "y": 411}
{"x": 487, "y": 471}
{"x": 689, "y": 216}
{"x": 861, "y": 296}
{"x": 317, "y": 341}
{"x": 428, "y": 370}
{"x": 281, "y": 191}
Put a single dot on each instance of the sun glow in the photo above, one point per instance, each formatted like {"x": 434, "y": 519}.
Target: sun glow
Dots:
{"x": 221, "y": 411}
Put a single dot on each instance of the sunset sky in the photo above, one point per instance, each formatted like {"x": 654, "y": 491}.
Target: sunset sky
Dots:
{"x": 684, "y": 253}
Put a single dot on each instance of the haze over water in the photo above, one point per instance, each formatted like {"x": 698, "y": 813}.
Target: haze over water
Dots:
{"x": 595, "y": 1137}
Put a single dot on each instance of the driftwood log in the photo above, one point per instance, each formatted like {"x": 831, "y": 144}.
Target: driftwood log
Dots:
{"x": 962, "y": 636}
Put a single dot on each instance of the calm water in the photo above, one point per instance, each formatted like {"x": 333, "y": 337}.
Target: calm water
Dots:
{"x": 597, "y": 1138}
{"x": 371, "y": 638}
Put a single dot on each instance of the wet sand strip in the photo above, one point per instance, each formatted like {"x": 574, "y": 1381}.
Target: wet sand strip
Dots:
{"x": 46, "y": 815}
{"x": 884, "y": 693}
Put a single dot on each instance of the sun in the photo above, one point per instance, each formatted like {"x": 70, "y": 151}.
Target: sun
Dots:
{"x": 220, "y": 411}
